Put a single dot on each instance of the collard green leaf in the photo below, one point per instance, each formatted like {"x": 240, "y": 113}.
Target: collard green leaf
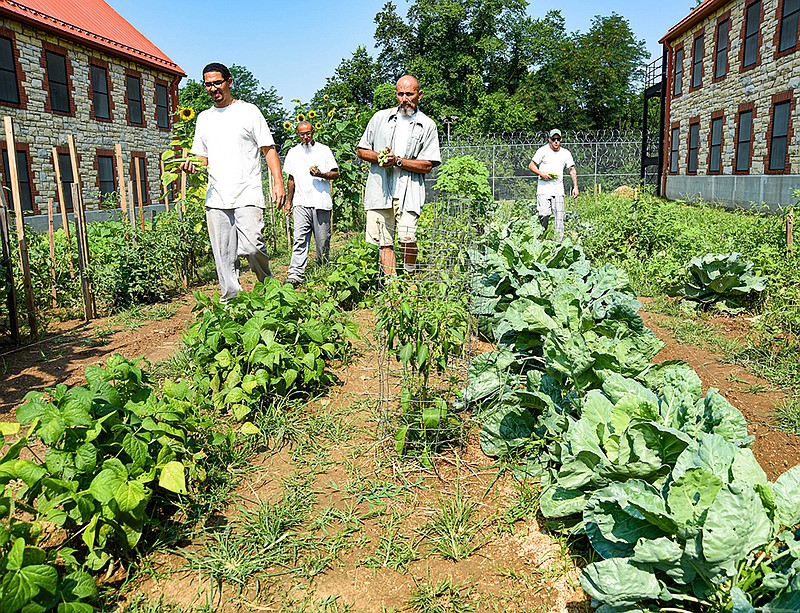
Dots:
{"x": 619, "y": 582}
{"x": 736, "y": 524}
{"x": 787, "y": 496}
{"x": 662, "y": 550}
{"x": 725, "y": 419}
{"x": 691, "y": 495}
{"x": 709, "y": 451}
{"x": 557, "y": 501}
{"x": 506, "y": 428}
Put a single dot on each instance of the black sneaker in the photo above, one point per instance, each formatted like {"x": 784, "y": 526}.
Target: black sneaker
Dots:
{"x": 293, "y": 282}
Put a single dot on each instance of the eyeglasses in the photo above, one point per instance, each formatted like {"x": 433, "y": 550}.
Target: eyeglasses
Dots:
{"x": 217, "y": 84}
{"x": 302, "y": 134}
{"x": 555, "y": 139}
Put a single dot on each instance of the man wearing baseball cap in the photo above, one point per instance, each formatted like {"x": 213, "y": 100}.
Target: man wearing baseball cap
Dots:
{"x": 549, "y": 163}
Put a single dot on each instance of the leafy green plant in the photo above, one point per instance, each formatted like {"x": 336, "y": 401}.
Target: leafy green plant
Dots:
{"x": 725, "y": 281}
{"x": 463, "y": 176}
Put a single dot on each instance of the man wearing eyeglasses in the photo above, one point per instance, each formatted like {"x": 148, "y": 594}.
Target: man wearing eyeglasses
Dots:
{"x": 311, "y": 168}
{"x": 401, "y": 145}
{"x": 229, "y": 139}
{"x": 549, "y": 163}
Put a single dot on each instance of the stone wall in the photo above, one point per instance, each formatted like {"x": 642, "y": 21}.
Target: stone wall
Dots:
{"x": 41, "y": 130}
{"x": 757, "y": 85}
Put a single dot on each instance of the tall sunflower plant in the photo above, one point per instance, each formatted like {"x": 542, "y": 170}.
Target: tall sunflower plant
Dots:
{"x": 173, "y": 157}
{"x": 339, "y": 125}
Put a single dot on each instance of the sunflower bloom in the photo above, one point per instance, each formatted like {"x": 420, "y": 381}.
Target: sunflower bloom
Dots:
{"x": 311, "y": 114}
{"x": 326, "y": 97}
{"x": 331, "y": 113}
{"x": 186, "y": 113}
{"x": 318, "y": 126}
{"x": 300, "y": 117}
{"x": 287, "y": 125}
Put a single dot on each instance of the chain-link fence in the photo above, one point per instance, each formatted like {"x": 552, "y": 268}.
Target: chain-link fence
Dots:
{"x": 606, "y": 158}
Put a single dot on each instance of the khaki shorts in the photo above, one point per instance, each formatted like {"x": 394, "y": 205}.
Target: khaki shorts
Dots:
{"x": 381, "y": 224}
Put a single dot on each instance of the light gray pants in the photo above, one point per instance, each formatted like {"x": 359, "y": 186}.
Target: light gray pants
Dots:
{"x": 552, "y": 205}
{"x": 233, "y": 233}
{"x": 308, "y": 221}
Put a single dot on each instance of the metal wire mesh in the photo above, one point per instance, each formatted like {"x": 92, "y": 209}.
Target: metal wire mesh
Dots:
{"x": 425, "y": 338}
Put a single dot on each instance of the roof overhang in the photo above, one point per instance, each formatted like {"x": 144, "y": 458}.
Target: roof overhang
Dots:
{"x": 705, "y": 9}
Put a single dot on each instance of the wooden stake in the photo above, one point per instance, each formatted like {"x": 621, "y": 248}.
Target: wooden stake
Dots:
{"x": 137, "y": 172}
{"x": 166, "y": 192}
{"x": 83, "y": 251}
{"x": 22, "y": 244}
{"x": 8, "y": 266}
{"x": 52, "y": 252}
{"x": 131, "y": 212}
{"x": 121, "y": 180}
{"x": 790, "y": 230}
{"x": 63, "y": 207}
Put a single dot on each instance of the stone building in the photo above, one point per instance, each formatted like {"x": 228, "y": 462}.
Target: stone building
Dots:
{"x": 733, "y": 79}
{"x": 76, "y": 67}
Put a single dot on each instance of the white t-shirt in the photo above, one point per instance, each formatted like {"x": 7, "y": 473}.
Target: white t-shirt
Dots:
{"x": 311, "y": 192}
{"x": 231, "y": 138}
{"x": 555, "y": 162}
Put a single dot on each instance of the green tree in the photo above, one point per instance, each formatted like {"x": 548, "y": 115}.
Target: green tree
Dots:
{"x": 354, "y": 79}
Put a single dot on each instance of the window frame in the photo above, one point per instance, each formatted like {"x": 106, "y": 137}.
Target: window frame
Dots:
{"x": 23, "y": 149}
{"x": 48, "y": 48}
{"x": 698, "y": 70}
{"x": 104, "y": 66}
{"x": 781, "y": 99}
{"x": 111, "y": 155}
{"x": 19, "y": 74}
{"x": 132, "y": 74}
{"x": 674, "y": 148}
{"x": 677, "y": 79}
{"x": 139, "y": 155}
{"x": 693, "y": 152}
{"x": 724, "y": 19}
{"x": 717, "y": 118}
{"x": 164, "y": 128}
{"x": 759, "y": 40}
{"x": 779, "y": 18}
{"x": 748, "y": 108}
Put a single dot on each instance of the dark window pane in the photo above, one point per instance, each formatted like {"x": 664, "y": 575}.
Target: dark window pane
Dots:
{"x": 789, "y": 21}
{"x": 100, "y": 93}
{"x": 162, "y": 106}
{"x": 715, "y": 152}
{"x": 57, "y": 81}
{"x": 9, "y": 89}
{"x": 678, "y": 85}
{"x": 753, "y": 16}
{"x": 65, "y": 167}
{"x": 134, "y": 100}
{"x": 721, "y": 59}
{"x": 142, "y": 165}
{"x": 674, "y": 148}
{"x": 780, "y": 132}
{"x": 105, "y": 167}
{"x": 743, "y": 143}
{"x": 697, "y": 62}
{"x": 26, "y": 197}
{"x": 694, "y": 137}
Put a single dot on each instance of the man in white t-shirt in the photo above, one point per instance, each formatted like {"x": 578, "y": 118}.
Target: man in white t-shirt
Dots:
{"x": 311, "y": 168}
{"x": 549, "y": 163}
{"x": 227, "y": 140}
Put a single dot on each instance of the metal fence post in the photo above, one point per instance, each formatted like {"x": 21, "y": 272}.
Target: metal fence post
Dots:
{"x": 494, "y": 169}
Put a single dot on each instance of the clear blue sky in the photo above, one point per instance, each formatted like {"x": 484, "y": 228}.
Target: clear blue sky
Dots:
{"x": 295, "y": 46}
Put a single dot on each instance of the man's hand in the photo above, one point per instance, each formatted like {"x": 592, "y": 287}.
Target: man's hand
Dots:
{"x": 279, "y": 194}
{"x": 192, "y": 166}
{"x": 386, "y": 158}
{"x": 545, "y": 176}
{"x": 314, "y": 171}
{"x": 575, "y": 191}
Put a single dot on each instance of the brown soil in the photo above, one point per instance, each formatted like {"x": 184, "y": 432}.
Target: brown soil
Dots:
{"x": 520, "y": 568}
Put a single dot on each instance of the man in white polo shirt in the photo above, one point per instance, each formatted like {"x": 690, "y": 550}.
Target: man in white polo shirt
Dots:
{"x": 311, "y": 168}
{"x": 549, "y": 163}
{"x": 229, "y": 139}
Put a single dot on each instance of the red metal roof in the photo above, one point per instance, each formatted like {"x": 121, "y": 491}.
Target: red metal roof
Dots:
{"x": 706, "y": 8}
{"x": 93, "y": 23}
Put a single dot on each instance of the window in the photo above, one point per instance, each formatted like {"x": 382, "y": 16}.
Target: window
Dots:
{"x": 715, "y": 145}
{"x": 674, "y": 147}
{"x": 133, "y": 86}
{"x": 9, "y": 85}
{"x": 694, "y": 140}
{"x": 752, "y": 22}
{"x": 677, "y": 86}
{"x": 139, "y": 159}
{"x": 57, "y": 81}
{"x": 105, "y": 174}
{"x": 697, "y": 62}
{"x": 721, "y": 55}
{"x": 743, "y": 140}
{"x": 788, "y": 29}
{"x": 778, "y": 146}
{"x": 65, "y": 168}
{"x": 162, "y": 107}
{"x": 25, "y": 190}
{"x": 100, "y": 97}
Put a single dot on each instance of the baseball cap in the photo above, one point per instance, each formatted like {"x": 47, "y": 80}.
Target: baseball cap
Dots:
{"x": 555, "y": 132}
